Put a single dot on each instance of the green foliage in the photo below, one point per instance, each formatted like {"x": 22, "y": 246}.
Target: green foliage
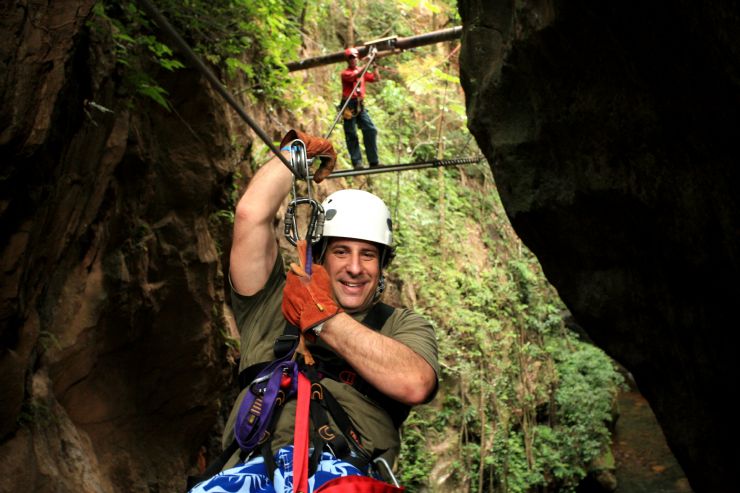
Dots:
{"x": 585, "y": 397}
{"x": 534, "y": 402}
{"x": 247, "y": 38}
{"x": 416, "y": 470}
{"x": 132, "y": 46}
{"x": 523, "y": 405}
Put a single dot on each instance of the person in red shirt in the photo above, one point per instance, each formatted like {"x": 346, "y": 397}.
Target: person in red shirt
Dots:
{"x": 355, "y": 113}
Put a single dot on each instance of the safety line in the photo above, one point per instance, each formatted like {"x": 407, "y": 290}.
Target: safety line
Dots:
{"x": 217, "y": 85}
{"x": 436, "y": 163}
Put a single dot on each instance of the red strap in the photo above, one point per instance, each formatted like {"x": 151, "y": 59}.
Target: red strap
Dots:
{"x": 345, "y": 484}
{"x": 357, "y": 484}
{"x": 300, "y": 438}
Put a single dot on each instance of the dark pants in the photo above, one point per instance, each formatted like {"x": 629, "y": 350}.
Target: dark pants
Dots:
{"x": 369, "y": 136}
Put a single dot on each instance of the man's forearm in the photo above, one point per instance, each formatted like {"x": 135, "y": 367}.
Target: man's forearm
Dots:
{"x": 388, "y": 365}
{"x": 254, "y": 248}
{"x": 265, "y": 192}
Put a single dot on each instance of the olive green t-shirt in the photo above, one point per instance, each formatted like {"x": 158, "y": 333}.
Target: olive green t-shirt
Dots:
{"x": 260, "y": 321}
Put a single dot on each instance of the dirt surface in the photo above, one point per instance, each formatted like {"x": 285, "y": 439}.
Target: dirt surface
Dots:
{"x": 643, "y": 461}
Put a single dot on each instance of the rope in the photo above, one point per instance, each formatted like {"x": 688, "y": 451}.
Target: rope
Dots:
{"x": 197, "y": 63}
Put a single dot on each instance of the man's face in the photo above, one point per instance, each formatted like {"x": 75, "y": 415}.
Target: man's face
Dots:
{"x": 352, "y": 61}
{"x": 354, "y": 269}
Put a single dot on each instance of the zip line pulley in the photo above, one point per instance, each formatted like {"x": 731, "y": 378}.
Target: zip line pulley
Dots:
{"x": 300, "y": 165}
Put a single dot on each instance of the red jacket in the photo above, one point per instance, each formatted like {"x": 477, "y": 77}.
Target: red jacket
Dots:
{"x": 349, "y": 79}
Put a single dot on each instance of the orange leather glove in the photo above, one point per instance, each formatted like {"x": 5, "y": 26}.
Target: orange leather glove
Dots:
{"x": 307, "y": 299}
{"x": 315, "y": 147}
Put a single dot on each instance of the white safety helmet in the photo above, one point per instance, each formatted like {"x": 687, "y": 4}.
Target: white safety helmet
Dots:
{"x": 358, "y": 215}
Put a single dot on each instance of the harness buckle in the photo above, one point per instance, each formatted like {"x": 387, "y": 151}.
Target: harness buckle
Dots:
{"x": 284, "y": 344}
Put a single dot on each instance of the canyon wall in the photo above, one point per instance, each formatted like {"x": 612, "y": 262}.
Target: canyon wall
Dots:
{"x": 112, "y": 329}
{"x": 612, "y": 132}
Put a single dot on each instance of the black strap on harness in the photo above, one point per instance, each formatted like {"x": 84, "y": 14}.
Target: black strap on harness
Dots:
{"x": 284, "y": 344}
{"x": 342, "y": 372}
{"x": 338, "y": 370}
{"x": 345, "y": 444}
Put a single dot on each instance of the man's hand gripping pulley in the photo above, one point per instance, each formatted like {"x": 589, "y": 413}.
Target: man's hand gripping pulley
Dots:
{"x": 303, "y": 150}
{"x": 315, "y": 147}
{"x": 307, "y": 299}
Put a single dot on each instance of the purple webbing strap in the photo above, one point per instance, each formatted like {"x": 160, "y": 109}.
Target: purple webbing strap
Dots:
{"x": 249, "y": 434}
{"x": 309, "y": 257}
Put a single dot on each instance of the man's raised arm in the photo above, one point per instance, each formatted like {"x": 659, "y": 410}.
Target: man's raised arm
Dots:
{"x": 254, "y": 247}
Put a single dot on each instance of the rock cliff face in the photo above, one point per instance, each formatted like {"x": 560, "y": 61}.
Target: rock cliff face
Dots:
{"x": 612, "y": 129}
{"x": 112, "y": 354}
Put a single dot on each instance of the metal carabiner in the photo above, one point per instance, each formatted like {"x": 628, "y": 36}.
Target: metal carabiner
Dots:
{"x": 315, "y": 222}
{"x": 300, "y": 166}
{"x": 299, "y": 161}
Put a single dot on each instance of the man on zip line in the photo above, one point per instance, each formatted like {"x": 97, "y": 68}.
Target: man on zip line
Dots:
{"x": 355, "y": 113}
{"x": 375, "y": 366}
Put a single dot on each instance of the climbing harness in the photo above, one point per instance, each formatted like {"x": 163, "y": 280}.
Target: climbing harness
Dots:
{"x": 348, "y": 112}
{"x": 339, "y": 370}
{"x": 272, "y": 387}
{"x": 271, "y": 384}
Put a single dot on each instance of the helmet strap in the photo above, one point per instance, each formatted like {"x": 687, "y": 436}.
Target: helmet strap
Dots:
{"x": 381, "y": 285}
{"x": 383, "y": 254}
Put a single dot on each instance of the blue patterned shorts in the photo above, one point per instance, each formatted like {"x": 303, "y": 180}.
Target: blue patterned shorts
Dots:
{"x": 251, "y": 477}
